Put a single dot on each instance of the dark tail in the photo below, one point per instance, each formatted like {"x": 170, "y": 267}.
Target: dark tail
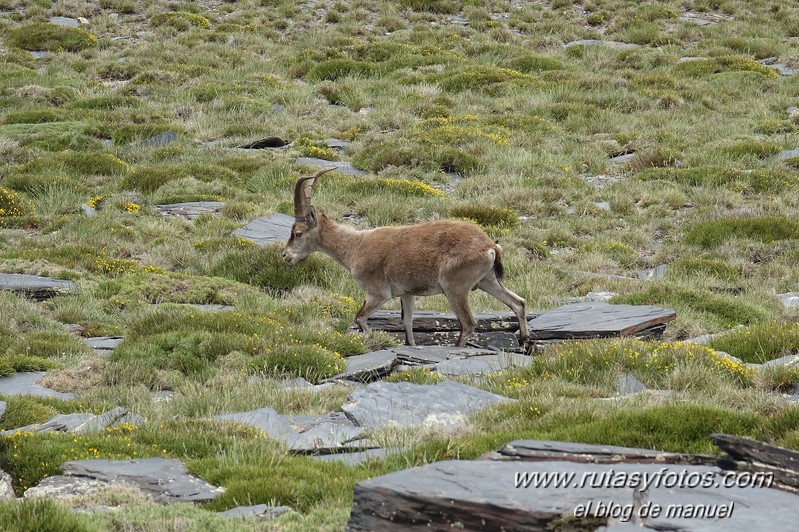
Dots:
{"x": 499, "y": 269}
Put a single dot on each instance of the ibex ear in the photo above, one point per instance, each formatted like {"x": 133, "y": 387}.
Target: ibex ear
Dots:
{"x": 312, "y": 216}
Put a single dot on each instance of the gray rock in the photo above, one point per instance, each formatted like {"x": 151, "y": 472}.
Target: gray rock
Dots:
{"x": 627, "y": 384}
{"x": 702, "y": 19}
{"x": 267, "y": 230}
{"x": 604, "y": 205}
{"x": 265, "y": 143}
{"x": 104, "y": 345}
{"x": 496, "y": 341}
{"x": 615, "y": 45}
{"x": 658, "y": 272}
{"x": 599, "y": 296}
{"x": 279, "y": 109}
{"x": 39, "y": 54}
{"x": 87, "y": 210}
{"x": 368, "y": 367}
{"x": 783, "y": 155}
{"x": 792, "y": 111}
{"x": 302, "y": 434}
{"x": 162, "y": 396}
{"x": 482, "y": 365}
{"x": 190, "y": 209}
{"x": 35, "y": 286}
{"x": 61, "y": 486}
{"x": 621, "y": 159}
{"x": 337, "y": 144}
{"x": 162, "y": 139}
{"x": 789, "y": 299}
{"x": 65, "y": 21}
{"x": 24, "y": 383}
{"x": 468, "y": 495}
{"x": 545, "y": 450}
{"x": 342, "y": 167}
{"x": 782, "y": 68}
{"x": 405, "y": 404}
{"x": 788, "y": 361}
{"x": 210, "y": 307}
{"x": 261, "y": 511}
{"x": 6, "y": 487}
{"x": 164, "y": 479}
{"x": 433, "y": 321}
{"x": 108, "y": 143}
{"x": 295, "y": 383}
{"x": 3, "y": 406}
{"x": 601, "y": 180}
{"x": 597, "y": 320}
{"x": 356, "y": 457}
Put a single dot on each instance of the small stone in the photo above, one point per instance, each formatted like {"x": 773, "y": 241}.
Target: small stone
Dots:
{"x": 103, "y": 345}
{"x": 787, "y": 361}
{"x": 279, "y": 109}
{"x": 604, "y": 205}
{"x": 783, "y": 155}
{"x": 337, "y": 144}
{"x": 368, "y": 367}
{"x": 621, "y": 159}
{"x": 87, "y": 210}
{"x": 61, "y": 486}
{"x": 356, "y": 457}
{"x": 658, "y": 272}
{"x": 600, "y": 296}
{"x": 6, "y": 487}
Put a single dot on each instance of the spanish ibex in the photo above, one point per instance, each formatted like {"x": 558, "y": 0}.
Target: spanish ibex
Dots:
{"x": 445, "y": 256}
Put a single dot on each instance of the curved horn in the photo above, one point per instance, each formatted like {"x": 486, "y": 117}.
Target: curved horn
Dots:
{"x": 301, "y": 194}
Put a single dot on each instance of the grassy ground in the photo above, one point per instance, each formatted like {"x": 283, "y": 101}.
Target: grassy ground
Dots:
{"x": 527, "y": 122}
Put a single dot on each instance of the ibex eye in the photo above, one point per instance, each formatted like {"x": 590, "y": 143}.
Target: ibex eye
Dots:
{"x": 298, "y": 234}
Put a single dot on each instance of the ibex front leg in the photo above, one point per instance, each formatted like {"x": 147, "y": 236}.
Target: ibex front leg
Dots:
{"x": 373, "y": 302}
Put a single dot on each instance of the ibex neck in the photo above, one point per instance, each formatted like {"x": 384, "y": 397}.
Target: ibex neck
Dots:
{"x": 339, "y": 241}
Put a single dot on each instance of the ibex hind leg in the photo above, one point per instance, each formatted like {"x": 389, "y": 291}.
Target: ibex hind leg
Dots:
{"x": 370, "y": 305}
{"x": 459, "y": 301}
{"x": 491, "y": 285}
{"x": 408, "y": 301}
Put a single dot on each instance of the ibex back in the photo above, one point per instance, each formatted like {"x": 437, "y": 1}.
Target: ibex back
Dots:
{"x": 441, "y": 257}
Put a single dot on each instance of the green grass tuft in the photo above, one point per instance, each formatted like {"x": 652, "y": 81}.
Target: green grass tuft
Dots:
{"x": 766, "y": 229}
{"x": 50, "y": 37}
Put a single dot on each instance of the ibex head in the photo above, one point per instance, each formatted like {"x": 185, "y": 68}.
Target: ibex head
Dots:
{"x": 304, "y": 238}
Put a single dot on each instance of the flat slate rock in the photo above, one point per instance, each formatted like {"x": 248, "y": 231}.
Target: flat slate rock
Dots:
{"x": 265, "y": 143}
{"x": 356, "y": 457}
{"x": 544, "y": 450}
{"x": 337, "y": 144}
{"x": 432, "y": 354}
{"x": 165, "y": 479}
{"x": 481, "y": 365}
{"x": 82, "y": 423}
{"x": 261, "y": 511}
{"x": 3, "y": 406}
{"x": 342, "y": 167}
{"x": 367, "y": 367}
{"x": 267, "y": 229}
{"x": 162, "y": 139}
{"x": 60, "y": 486}
{"x": 190, "y": 209}
{"x": 615, "y": 45}
{"x": 596, "y": 319}
{"x": 36, "y": 286}
{"x": 703, "y": 19}
{"x": 406, "y": 404}
{"x": 103, "y": 345}
{"x": 482, "y": 495}
{"x": 783, "y": 155}
{"x": 658, "y": 272}
{"x": 24, "y": 383}
{"x": 432, "y": 321}
{"x": 303, "y": 434}
{"x": 65, "y": 21}
{"x": 627, "y": 384}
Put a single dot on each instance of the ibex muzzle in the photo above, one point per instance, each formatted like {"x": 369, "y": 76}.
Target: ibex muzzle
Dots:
{"x": 442, "y": 257}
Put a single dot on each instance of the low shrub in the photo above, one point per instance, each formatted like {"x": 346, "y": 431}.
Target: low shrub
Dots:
{"x": 487, "y": 216}
{"x": 51, "y": 37}
{"x": 180, "y": 20}
{"x": 760, "y": 342}
{"x": 691, "y": 267}
{"x": 764, "y": 229}
{"x": 735, "y": 63}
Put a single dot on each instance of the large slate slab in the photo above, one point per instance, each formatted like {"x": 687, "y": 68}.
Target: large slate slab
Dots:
{"x": 356, "y": 457}
{"x": 342, "y": 167}
{"x": 267, "y": 229}
{"x": 482, "y": 495}
{"x": 103, "y": 345}
{"x": 24, "y": 383}
{"x": 432, "y": 321}
{"x": 406, "y": 404}
{"x": 190, "y": 210}
{"x": 165, "y": 479}
{"x": 35, "y": 286}
{"x": 783, "y": 155}
{"x": 303, "y": 434}
{"x": 597, "y": 319}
